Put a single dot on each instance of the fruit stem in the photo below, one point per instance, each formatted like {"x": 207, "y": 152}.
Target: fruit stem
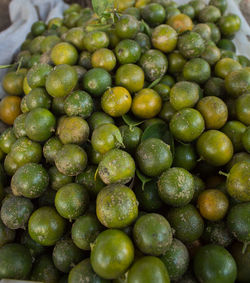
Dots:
{"x": 244, "y": 247}
{"x": 223, "y": 173}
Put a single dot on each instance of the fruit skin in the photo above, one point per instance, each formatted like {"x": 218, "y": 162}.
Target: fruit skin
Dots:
{"x": 154, "y": 64}
{"x": 197, "y": 70}
{"x": 15, "y": 211}
{"x": 229, "y": 24}
{"x": 112, "y": 254}
{"x": 245, "y": 139}
{"x": 85, "y": 230}
{"x": 116, "y": 206}
{"x": 130, "y": 76}
{"x": 176, "y": 259}
{"x": 71, "y": 160}
{"x": 238, "y": 82}
{"x": 148, "y": 196}
{"x": 187, "y": 124}
{"x": 209, "y": 14}
{"x": 6, "y": 235}
{"x": 185, "y": 156}
{"x": 51, "y": 148}
{"x": 243, "y": 109}
{"x": 128, "y": 51}
{"x": 176, "y": 186}
{"x": 95, "y": 40}
{"x": 13, "y": 83}
{"x": 213, "y": 204}
{"x": 16, "y": 261}
{"x": 61, "y": 81}
{"x": 242, "y": 261}
{"x": 103, "y": 58}
{"x": 10, "y": 109}
{"x": 96, "y": 81}
{"x": 73, "y": 130}
{"x": 184, "y": 94}
{"x": 36, "y": 76}
{"x": 152, "y": 234}
{"x": 146, "y": 104}
{"x": 116, "y": 166}
{"x": 215, "y": 147}
{"x": 30, "y": 181}
{"x": 22, "y": 151}
{"x": 180, "y": 23}
{"x": 79, "y": 103}
{"x": 153, "y": 13}
{"x": 83, "y": 271}
{"x": 46, "y": 226}
{"x": 238, "y": 222}
{"x": 190, "y": 44}
{"x": 40, "y": 124}
{"x": 99, "y": 118}
{"x": 44, "y": 270}
{"x": 153, "y": 156}
{"x": 235, "y": 130}
{"x": 127, "y": 27}
{"x": 225, "y": 66}
{"x": 64, "y": 53}
{"x": 7, "y": 139}
{"x": 148, "y": 269}
{"x": 187, "y": 223}
{"x": 38, "y": 97}
{"x": 164, "y": 38}
{"x": 65, "y": 254}
{"x": 214, "y": 111}
{"x": 213, "y": 263}
{"x": 106, "y": 137}
{"x": 131, "y": 137}
{"x": 116, "y": 101}
{"x": 71, "y": 201}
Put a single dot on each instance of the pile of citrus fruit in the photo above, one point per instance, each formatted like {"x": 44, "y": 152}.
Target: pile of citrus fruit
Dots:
{"x": 126, "y": 159}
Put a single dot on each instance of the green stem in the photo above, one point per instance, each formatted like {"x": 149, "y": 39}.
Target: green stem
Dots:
{"x": 244, "y": 247}
{"x": 223, "y": 173}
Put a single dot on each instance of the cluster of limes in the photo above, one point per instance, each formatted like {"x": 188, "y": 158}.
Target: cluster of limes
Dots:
{"x": 126, "y": 159}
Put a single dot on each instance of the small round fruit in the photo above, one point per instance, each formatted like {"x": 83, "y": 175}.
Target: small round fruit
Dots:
{"x": 128, "y": 51}
{"x": 152, "y": 234}
{"x": 116, "y": 206}
{"x": 40, "y": 124}
{"x": 214, "y": 111}
{"x": 131, "y": 137}
{"x": 164, "y": 38}
{"x": 197, "y": 70}
{"x": 64, "y": 53}
{"x": 96, "y": 81}
{"x": 6, "y": 235}
{"x": 180, "y": 23}
{"x": 213, "y": 204}
{"x": 36, "y": 76}
{"x": 146, "y": 104}
{"x": 15, "y": 261}
{"x": 215, "y": 147}
{"x": 176, "y": 260}
{"x": 245, "y": 139}
{"x": 185, "y": 156}
{"x": 85, "y": 231}
{"x": 61, "y": 81}
{"x": 130, "y": 76}
{"x": 38, "y": 97}
{"x": 51, "y": 148}
{"x": 187, "y": 124}
{"x": 238, "y": 181}
{"x": 213, "y": 263}
{"x": 30, "y": 181}
{"x": 229, "y": 24}
{"x": 71, "y": 160}
{"x": 210, "y": 14}
{"x": 95, "y": 40}
{"x": 153, "y": 13}
{"x": 190, "y": 44}
{"x": 79, "y": 103}
{"x": 7, "y": 139}
{"x": 71, "y": 201}
{"x": 13, "y": 83}
{"x": 116, "y": 166}
{"x": 103, "y": 58}
{"x": 184, "y": 94}
{"x": 186, "y": 222}
{"x": 242, "y": 108}
{"x": 148, "y": 269}
{"x": 10, "y": 109}
{"x": 99, "y": 118}
{"x": 15, "y": 211}
{"x": 225, "y": 66}
{"x": 153, "y": 157}
{"x": 112, "y": 254}
{"x": 127, "y": 27}
{"x": 116, "y": 101}
{"x": 176, "y": 186}
{"x": 65, "y": 254}
{"x": 46, "y": 226}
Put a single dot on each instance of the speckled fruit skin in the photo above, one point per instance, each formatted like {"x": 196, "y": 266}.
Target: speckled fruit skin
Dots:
{"x": 152, "y": 234}
{"x": 116, "y": 206}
